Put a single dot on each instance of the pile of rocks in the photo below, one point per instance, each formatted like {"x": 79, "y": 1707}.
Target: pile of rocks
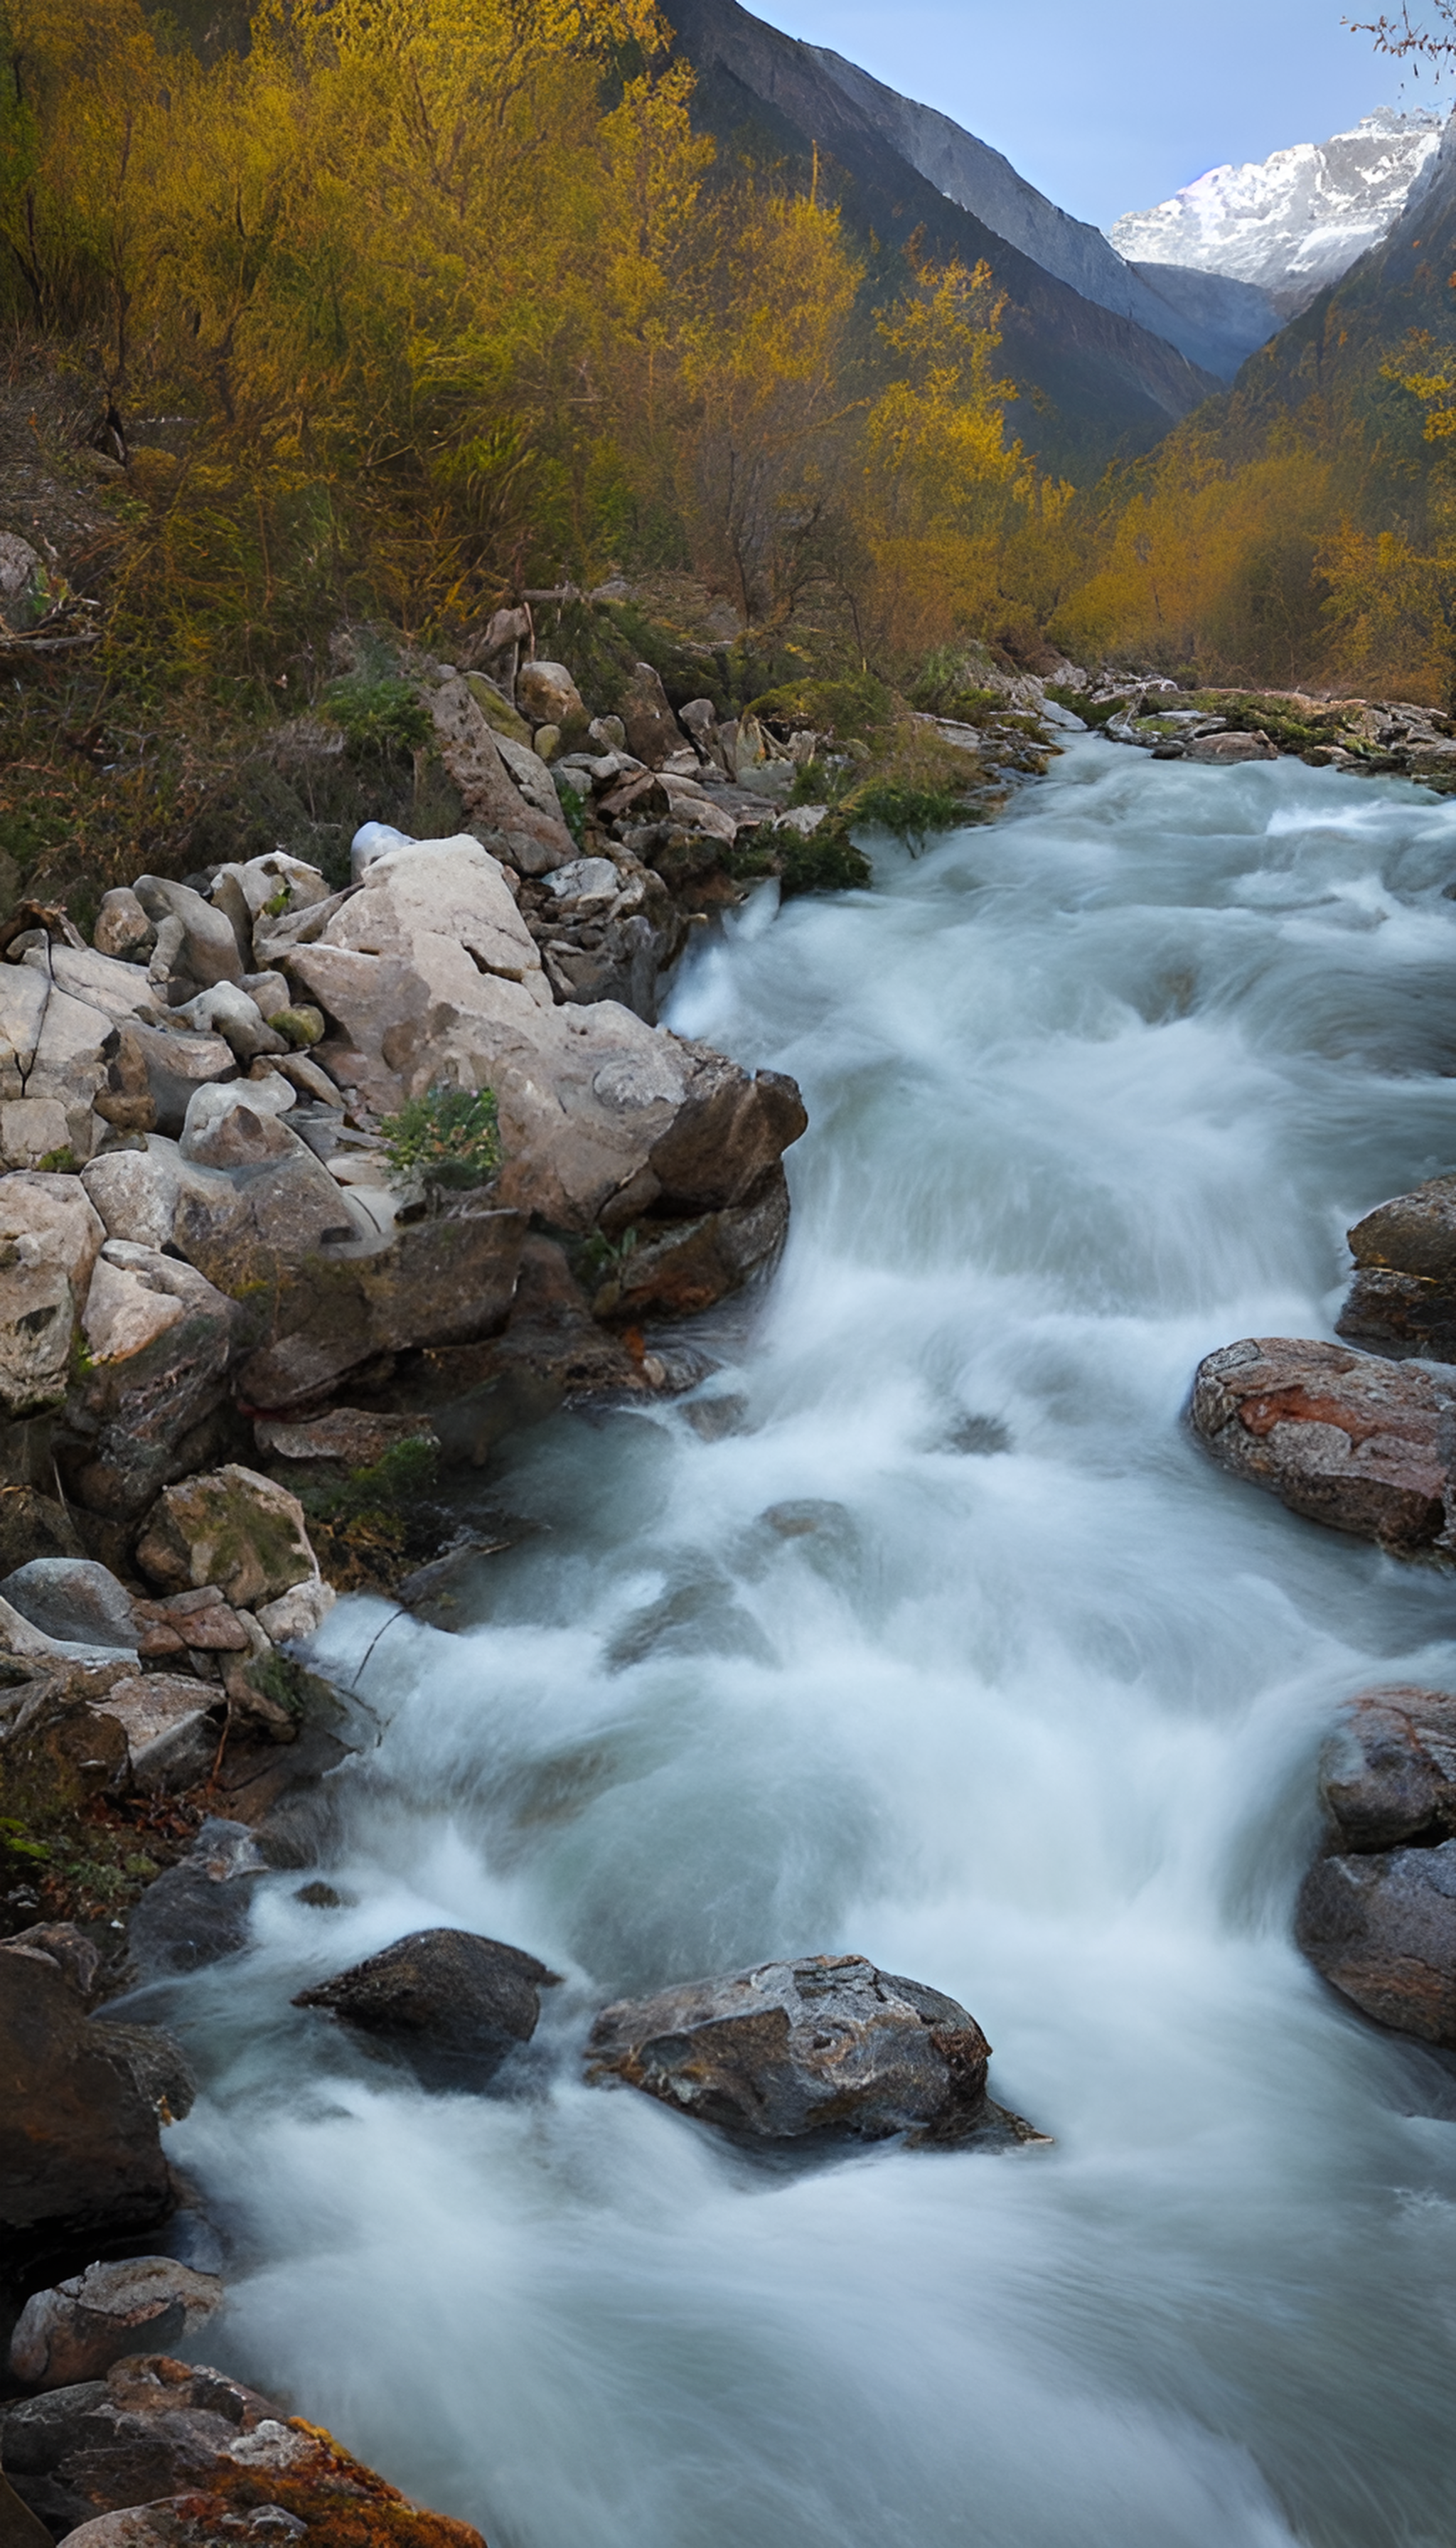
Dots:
{"x": 199, "y": 1215}
{"x": 1382, "y": 738}
{"x": 1366, "y": 1442}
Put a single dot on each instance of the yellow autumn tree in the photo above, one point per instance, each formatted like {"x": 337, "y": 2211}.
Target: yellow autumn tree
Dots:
{"x": 944, "y": 491}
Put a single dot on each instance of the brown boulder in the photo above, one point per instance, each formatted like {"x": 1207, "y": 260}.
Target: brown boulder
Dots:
{"x": 198, "y": 2453}
{"x": 81, "y": 2106}
{"x": 532, "y": 839}
{"x": 80, "y": 2327}
{"x": 675, "y": 1269}
{"x": 1362, "y": 1444}
{"x": 652, "y": 729}
{"x": 453, "y": 2003}
{"x": 825, "y": 2045}
{"x": 1388, "y": 1775}
{"x": 1403, "y": 1300}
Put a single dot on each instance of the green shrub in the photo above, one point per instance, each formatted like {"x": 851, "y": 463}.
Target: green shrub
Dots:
{"x": 908, "y": 811}
{"x": 447, "y": 1138}
{"x": 826, "y": 862}
{"x": 858, "y": 707}
{"x": 379, "y": 715}
{"x": 573, "y": 811}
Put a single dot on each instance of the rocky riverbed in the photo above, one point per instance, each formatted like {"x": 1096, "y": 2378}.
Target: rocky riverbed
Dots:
{"x": 249, "y": 1355}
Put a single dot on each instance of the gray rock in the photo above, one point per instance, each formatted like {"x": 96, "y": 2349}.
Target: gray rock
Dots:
{"x": 135, "y": 1191}
{"x": 1382, "y": 1929}
{"x": 130, "y": 1421}
{"x": 1345, "y": 1439}
{"x": 199, "y": 1910}
{"x": 209, "y": 950}
{"x": 1388, "y": 1775}
{"x": 123, "y": 928}
{"x": 226, "y": 1010}
{"x": 79, "y": 2328}
{"x": 824, "y": 2044}
{"x": 73, "y": 1599}
{"x": 172, "y": 1725}
{"x": 652, "y": 729}
{"x": 455, "y": 2004}
{"x": 1403, "y": 1300}
{"x": 234, "y": 1530}
{"x": 160, "y": 1068}
{"x": 49, "y": 1241}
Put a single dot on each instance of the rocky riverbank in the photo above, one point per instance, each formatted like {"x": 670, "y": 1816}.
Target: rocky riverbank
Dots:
{"x": 1365, "y": 1442}
{"x": 314, "y": 1187}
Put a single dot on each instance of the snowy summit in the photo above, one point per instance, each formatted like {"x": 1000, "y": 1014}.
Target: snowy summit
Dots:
{"x": 1297, "y": 221}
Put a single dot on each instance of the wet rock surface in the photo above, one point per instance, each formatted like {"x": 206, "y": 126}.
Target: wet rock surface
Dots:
{"x": 1377, "y": 1915}
{"x": 81, "y": 2107}
{"x": 1360, "y": 1443}
{"x": 454, "y": 2004}
{"x": 824, "y": 2046}
{"x": 79, "y": 2328}
{"x": 206, "y": 2458}
{"x": 1403, "y": 1300}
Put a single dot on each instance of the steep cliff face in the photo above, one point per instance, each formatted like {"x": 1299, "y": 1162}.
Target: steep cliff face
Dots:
{"x": 1215, "y": 322}
{"x": 1094, "y": 380}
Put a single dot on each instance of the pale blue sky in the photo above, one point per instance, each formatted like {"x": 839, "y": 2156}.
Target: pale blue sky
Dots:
{"x": 1110, "y": 105}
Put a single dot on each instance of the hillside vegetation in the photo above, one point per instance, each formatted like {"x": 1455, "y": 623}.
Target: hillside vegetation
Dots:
{"x": 377, "y": 314}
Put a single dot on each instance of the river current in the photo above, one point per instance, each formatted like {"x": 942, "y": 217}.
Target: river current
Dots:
{"x": 940, "y": 1642}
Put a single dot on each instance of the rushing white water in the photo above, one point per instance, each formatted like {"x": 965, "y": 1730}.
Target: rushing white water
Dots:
{"x": 1029, "y": 1711}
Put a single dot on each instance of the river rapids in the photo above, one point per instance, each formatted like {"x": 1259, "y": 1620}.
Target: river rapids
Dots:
{"x": 940, "y": 1642}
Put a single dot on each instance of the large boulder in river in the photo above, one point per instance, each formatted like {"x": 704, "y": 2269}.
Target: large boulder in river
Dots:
{"x": 453, "y": 2003}
{"x": 428, "y": 975}
{"x": 204, "y": 2459}
{"x": 1403, "y": 1300}
{"x": 1383, "y": 1930}
{"x": 81, "y": 2106}
{"x": 1346, "y": 1438}
{"x": 1377, "y": 1915}
{"x": 825, "y": 2045}
{"x": 1388, "y": 1775}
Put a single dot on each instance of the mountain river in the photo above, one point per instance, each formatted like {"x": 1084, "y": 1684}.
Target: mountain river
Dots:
{"x": 943, "y": 1643}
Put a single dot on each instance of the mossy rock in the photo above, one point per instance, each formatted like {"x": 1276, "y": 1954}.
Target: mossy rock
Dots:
{"x": 500, "y": 716}
{"x": 233, "y": 1529}
{"x": 857, "y": 708}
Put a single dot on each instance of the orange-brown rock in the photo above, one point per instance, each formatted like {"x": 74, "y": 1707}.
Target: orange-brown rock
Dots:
{"x": 163, "y": 2454}
{"x": 1345, "y": 1439}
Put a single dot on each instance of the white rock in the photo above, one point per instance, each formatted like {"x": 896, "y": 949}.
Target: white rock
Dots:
{"x": 374, "y": 841}
{"x": 31, "y": 1128}
{"x": 208, "y": 1105}
{"x": 135, "y": 1191}
{"x": 583, "y": 880}
{"x": 227, "y": 1011}
{"x": 49, "y": 1241}
{"x": 297, "y": 1614}
{"x": 118, "y": 991}
{"x": 24, "y": 994}
{"x": 166, "y": 1718}
{"x": 124, "y": 1313}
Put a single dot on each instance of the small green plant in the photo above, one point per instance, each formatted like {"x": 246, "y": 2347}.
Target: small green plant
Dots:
{"x": 448, "y": 1139}
{"x": 574, "y": 812}
{"x": 600, "y": 1256}
{"x": 826, "y": 862}
{"x": 908, "y": 811}
{"x": 60, "y": 1163}
{"x": 379, "y": 716}
{"x": 277, "y": 904}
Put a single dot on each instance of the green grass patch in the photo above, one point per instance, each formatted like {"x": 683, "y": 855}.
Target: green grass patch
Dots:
{"x": 449, "y": 1138}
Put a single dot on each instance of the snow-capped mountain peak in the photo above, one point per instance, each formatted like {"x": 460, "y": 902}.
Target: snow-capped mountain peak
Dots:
{"x": 1297, "y": 221}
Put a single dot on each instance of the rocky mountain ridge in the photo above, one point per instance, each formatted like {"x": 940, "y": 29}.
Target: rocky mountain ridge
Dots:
{"x": 1292, "y": 223}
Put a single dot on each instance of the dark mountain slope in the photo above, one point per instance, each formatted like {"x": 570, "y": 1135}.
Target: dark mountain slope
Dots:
{"x": 1094, "y": 382}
